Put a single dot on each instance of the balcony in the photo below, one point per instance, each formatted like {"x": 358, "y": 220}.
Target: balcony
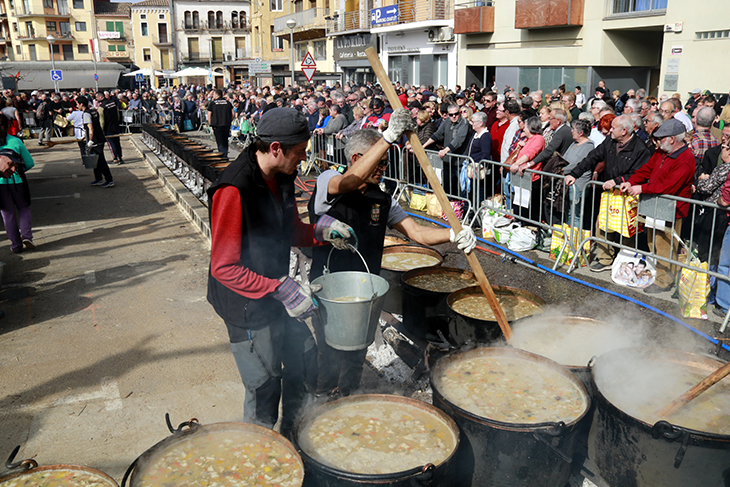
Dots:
{"x": 192, "y": 28}
{"x": 356, "y": 21}
{"x": 217, "y": 27}
{"x": 474, "y": 17}
{"x": 240, "y": 27}
{"x": 64, "y": 14}
{"x": 539, "y": 14}
{"x": 161, "y": 41}
{"x": 310, "y": 24}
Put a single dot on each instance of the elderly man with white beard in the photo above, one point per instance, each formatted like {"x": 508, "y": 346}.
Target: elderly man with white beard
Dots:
{"x": 669, "y": 171}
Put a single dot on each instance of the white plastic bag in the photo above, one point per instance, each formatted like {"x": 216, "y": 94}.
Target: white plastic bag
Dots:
{"x": 522, "y": 239}
{"x": 489, "y": 216}
{"x": 633, "y": 269}
{"x": 502, "y": 229}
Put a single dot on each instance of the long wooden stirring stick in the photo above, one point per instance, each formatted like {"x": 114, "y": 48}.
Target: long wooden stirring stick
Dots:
{"x": 440, "y": 194}
{"x": 704, "y": 384}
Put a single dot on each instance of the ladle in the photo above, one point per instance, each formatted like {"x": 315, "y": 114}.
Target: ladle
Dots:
{"x": 440, "y": 194}
{"x": 695, "y": 391}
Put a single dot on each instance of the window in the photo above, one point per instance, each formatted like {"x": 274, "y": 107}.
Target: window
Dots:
{"x": 234, "y": 20}
{"x": 301, "y": 50}
{"x": 146, "y": 55}
{"x": 242, "y": 19}
{"x": 116, "y": 27}
{"x": 78, "y": 4}
{"x": 51, "y": 26}
{"x": 196, "y": 20}
{"x": 112, "y": 48}
{"x": 80, "y": 26}
{"x": 83, "y": 49}
{"x": 17, "y": 50}
{"x": 713, "y": 34}
{"x": 144, "y": 29}
{"x": 161, "y": 16}
{"x": 15, "y": 27}
{"x": 47, "y": 3}
{"x": 121, "y": 48}
{"x": 65, "y": 28}
{"x": 188, "y": 20}
{"x": 143, "y": 16}
{"x": 211, "y": 19}
{"x": 320, "y": 50}
{"x": 219, "y": 19}
{"x": 277, "y": 43}
{"x": 277, "y": 5}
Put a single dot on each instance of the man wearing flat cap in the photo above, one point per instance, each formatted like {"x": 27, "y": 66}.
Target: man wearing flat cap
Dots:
{"x": 670, "y": 171}
{"x": 254, "y": 222}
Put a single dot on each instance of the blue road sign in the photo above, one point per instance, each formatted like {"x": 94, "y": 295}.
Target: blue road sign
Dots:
{"x": 384, "y": 15}
{"x": 56, "y": 75}
{"x": 139, "y": 77}
{"x": 96, "y": 77}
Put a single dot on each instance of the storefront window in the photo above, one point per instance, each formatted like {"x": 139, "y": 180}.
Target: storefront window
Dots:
{"x": 442, "y": 65}
{"x": 395, "y": 68}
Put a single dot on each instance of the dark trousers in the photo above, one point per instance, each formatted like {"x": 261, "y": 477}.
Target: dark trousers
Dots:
{"x": 115, "y": 145}
{"x": 221, "y": 138}
{"x": 102, "y": 168}
{"x": 17, "y": 227}
{"x": 339, "y": 369}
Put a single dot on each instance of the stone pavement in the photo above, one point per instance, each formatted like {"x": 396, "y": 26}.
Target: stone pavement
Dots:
{"x": 106, "y": 324}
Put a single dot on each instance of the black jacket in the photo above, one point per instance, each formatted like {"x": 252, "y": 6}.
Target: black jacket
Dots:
{"x": 710, "y": 161}
{"x": 619, "y": 165}
{"x": 268, "y": 227}
{"x": 562, "y": 139}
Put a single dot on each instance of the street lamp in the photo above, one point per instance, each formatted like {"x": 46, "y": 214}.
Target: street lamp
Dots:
{"x": 51, "y": 39}
{"x": 291, "y": 23}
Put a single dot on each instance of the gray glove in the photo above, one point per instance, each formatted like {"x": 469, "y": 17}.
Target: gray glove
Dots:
{"x": 465, "y": 240}
{"x": 400, "y": 121}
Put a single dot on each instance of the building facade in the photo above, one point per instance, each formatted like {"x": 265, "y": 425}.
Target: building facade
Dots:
{"x": 31, "y": 23}
{"x": 627, "y": 43}
{"x": 114, "y": 32}
{"x": 265, "y": 46}
{"x": 152, "y": 32}
{"x": 215, "y": 34}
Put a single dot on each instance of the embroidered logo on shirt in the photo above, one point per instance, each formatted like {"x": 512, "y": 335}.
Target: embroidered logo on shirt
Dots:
{"x": 375, "y": 213}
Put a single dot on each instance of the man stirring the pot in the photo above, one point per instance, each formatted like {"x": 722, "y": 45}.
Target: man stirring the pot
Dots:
{"x": 254, "y": 222}
{"x": 356, "y": 199}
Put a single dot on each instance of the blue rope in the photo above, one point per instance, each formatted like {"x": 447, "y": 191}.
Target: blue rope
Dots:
{"x": 588, "y": 284}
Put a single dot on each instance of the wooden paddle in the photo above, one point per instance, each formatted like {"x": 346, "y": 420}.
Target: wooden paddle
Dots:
{"x": 440, "y": 194}
{"x": 70, "y": 140}
{"x": 704, "y": 384}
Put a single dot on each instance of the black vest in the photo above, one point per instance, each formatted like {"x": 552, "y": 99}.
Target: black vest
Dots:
{"x": 268, "y": 226}
{"x": 111, "y": 116}
{"x": 367, "y": 214}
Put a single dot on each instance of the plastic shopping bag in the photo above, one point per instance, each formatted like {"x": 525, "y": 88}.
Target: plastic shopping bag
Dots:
{"x": 633, "y": 269}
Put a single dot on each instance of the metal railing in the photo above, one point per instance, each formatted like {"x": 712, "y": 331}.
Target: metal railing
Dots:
{"x": 156, "y": 39}
{"x": 347, "y": 21}
{"x": 306, "y": 19}
{"x": 475, "y": 3}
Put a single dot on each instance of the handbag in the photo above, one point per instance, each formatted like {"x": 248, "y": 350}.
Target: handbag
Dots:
{"x": 575, "y": 236}
{"x": 693, "y": 290}
{"x": 618, "y": 213}
{"x": 60, "y": 120}
{"x": 187, "y": 124}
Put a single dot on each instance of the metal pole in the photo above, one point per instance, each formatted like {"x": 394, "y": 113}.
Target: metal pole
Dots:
{"x": 210, "y": 59}
{"x": 53, "y": 65}
{"x": 291, "y": 54}
{"x": 96, "y": 72}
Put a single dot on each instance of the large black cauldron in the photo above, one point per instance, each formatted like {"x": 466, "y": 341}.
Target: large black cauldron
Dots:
{"x": 499, "y": 454}
{"x": 630, "y": 452}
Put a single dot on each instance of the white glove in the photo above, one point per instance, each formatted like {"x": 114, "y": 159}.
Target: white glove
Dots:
{"x": 465, "y": 240}
{"x": 90, "y": 144}
{"x": 334, "y": 231}
{"x": 400, "y": 121}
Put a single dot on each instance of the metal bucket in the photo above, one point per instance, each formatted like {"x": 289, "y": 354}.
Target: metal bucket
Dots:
{"x": 350, "y": 325}
{"x": 90, "y": 160}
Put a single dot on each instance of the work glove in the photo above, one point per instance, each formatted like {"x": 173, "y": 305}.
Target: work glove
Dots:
{"x": 90, "y": 144}
{"x": 297, "y": 298}
{"x": 331, "y": 230}
{"x": 400, "y": 121}
{"x": 465, "y": 240}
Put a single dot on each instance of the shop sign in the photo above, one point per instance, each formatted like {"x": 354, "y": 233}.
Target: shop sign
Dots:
{"x": 353, "y": 46}
{"x": 397, "y": 49}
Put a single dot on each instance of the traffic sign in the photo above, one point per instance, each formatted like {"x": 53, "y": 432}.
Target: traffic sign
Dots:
{"x": 139, "y": 77}
{"x": 96, "y": 77}
{"x": 259, "y": 67}
{"x": 309, "y": 72}
{"x": 308, "y": 60}
{"x": 56, "y": 75}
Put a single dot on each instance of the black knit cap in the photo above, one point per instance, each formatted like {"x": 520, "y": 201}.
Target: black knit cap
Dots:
{"x": 284, "y": 125}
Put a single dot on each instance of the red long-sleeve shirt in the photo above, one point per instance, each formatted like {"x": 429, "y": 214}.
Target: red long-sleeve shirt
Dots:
{"x": 671, "y": 174}
{"x": 226, "y": 236}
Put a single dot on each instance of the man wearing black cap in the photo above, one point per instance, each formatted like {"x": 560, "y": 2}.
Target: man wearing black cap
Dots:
{"x": 669, "y": 171}
{"x": 254, "y": 222}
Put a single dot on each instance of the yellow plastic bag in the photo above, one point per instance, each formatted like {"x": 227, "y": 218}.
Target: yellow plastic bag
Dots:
{"x": 694, "y": 287}
{"x": 618, "y": 213}
{"x": 575, "y": 236}
{"x": 418, "y": 202}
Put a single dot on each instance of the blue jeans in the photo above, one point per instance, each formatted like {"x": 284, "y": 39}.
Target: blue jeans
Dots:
{"x": 507, "y": 190}
{"x": 722, "y": 298}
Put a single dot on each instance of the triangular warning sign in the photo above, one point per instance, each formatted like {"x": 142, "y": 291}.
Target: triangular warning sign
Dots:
{"x": 308, "y": 60}
{"x": 309, "y": 71}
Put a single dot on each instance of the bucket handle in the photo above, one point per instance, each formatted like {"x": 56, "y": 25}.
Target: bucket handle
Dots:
{"x": 352, "y": 248}
{"x": 666, "y": 430}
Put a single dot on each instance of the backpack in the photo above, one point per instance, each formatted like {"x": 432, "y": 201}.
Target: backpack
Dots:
{"x": 40, "y": 112}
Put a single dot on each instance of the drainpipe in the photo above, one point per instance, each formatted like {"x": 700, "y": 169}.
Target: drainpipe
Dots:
{"x": 172, "y": 36}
